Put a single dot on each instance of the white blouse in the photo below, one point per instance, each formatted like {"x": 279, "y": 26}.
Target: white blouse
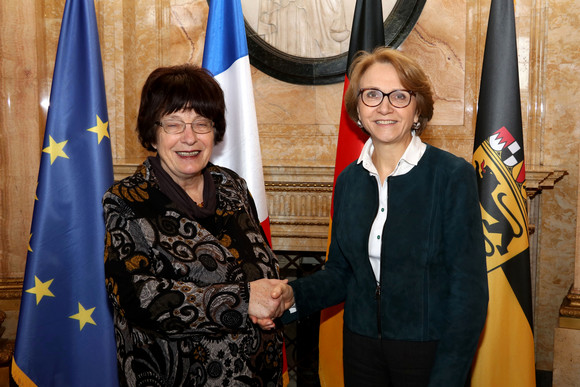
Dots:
{"x": 408, "y": 161}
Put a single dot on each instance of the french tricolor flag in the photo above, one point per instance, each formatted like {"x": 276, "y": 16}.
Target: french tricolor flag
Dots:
{"x": 226, "y": 56}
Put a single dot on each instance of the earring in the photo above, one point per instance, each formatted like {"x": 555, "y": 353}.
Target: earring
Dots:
{"x": 359, "y": 124}
{"x": 416, "y": 125}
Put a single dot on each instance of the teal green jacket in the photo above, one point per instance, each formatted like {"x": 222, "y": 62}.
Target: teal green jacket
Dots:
{"x": 433, "y": 277}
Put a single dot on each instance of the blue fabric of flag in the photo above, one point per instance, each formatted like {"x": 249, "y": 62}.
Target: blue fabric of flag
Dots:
{"x": 225, "y": 36}
{"x": 65, "y": 331}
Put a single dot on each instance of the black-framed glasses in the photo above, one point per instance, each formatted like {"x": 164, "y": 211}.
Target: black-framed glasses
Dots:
{"x": 374, "y": 97}
{"x": 173, "y": 126}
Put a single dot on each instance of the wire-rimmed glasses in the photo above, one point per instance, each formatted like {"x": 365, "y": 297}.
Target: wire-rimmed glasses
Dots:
{"x": 174, "y": 126}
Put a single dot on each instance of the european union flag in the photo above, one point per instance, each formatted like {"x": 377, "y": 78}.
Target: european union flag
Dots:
{"x": 65, "y": 331}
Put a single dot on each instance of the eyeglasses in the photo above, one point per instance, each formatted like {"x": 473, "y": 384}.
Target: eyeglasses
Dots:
{"x": 374, "y": 97}
{"x": 173, "y": 126}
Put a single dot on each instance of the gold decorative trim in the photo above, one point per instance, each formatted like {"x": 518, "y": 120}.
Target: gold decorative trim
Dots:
{"x": 296, "y": 174}
{"x": 299, "y": 187}
{"x": 6, "y": 351}
{"x": 10, "y": 288}
{"x": 6, "y": 346}
{"x": 302, "y": 221}
{"x": 539, "y": 177}
{"x": 569, "y": 322}
{"x": 570, "y": 309}
{"x": 121, "y": 171}
{"x": 284, "y": 236}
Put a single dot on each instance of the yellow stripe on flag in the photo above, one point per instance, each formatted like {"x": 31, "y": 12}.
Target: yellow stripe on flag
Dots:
{"x": 507, "y": 341}
{"x": 330, "y": 346}
{"x": 21, "y": 379}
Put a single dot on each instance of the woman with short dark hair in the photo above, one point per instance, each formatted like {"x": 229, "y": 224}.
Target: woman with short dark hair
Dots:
{"x": 183, "y": 245}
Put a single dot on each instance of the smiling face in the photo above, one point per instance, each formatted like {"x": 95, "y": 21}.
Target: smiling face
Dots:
{"x": 184, "y": 156}
{"x": 386, "y": 124}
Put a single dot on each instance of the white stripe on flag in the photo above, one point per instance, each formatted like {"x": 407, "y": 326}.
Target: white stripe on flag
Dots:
{"x": 240, "y": 149}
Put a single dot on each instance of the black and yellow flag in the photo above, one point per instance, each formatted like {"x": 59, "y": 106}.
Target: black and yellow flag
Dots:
{"x": 506, "y": 353}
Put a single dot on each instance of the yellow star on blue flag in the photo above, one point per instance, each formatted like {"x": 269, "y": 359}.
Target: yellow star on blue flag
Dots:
{"x": 100, "y": 129}
{"x": 55, "y": 149}
{"x": 84, "y": 316}
{"x": 41, "y": 289}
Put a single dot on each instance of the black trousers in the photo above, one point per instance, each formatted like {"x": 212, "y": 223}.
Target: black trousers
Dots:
{"x": 372, "y": 362}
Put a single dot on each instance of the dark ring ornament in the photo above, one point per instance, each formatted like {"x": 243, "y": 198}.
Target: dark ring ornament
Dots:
{"x": 328, "y": 70}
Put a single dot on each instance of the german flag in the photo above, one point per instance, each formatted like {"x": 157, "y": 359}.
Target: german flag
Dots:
{"x": 367, "y": 33}
{"x": 506, "y": 352}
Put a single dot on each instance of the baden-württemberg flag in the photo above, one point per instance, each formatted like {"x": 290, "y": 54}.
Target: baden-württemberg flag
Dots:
{"x": 65, "y": 330}
{"x": 506, "y": 353}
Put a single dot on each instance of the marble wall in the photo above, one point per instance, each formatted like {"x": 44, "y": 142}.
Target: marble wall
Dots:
{"x": 555, "y": 42}
{"x": 298, "y": 124}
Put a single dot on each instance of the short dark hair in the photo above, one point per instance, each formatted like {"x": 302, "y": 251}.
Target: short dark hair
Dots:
{"x": 171, "y": 89}
{"x": 410, "y": 73}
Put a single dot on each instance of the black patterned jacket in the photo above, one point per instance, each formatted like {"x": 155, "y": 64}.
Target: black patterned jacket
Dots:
{"x": 179, "y": 289}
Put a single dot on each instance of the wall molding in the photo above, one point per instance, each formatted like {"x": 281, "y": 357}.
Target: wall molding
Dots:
{"x": 10, "y": 288}
{"x": 299, "y": 201}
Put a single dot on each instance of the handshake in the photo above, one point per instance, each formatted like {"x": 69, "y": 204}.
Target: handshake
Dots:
{"x": 269, "y": 298}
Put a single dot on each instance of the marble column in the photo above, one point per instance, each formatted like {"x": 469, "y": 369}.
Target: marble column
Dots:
{"x": 567, "y": 334}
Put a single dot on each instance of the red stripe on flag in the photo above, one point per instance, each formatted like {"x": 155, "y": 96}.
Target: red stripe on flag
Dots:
{"x": 266, "y": 227}
{"x": 351, "y": 140}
